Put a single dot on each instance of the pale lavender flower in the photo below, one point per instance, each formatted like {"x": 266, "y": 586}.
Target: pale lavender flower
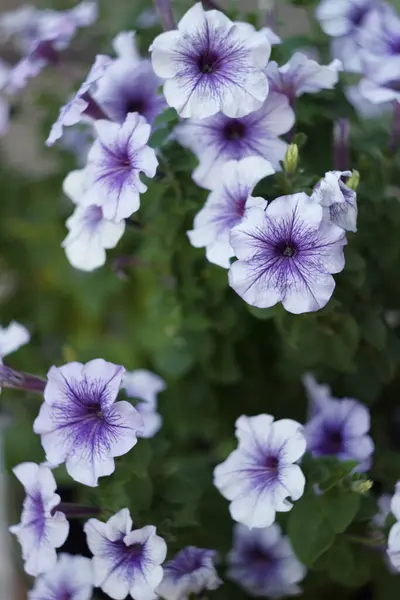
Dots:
{"x": 365, "y": 108}
{"x": 393, "y": 549}
{"x": 211, "y": 64}
{"x": 116, "y": 159}
{"x": 258, "y": 477}
{"x": 262, "y": 562}
{"x": 272, "y": 37}
{"x": 316, "y": 393}
{"x": 145, "y": 386}
{"x": 340, "y": 428}
{"x": 81, "y": 424}
{"x": 72, "y": 112}
{"x": 219, "y": 138}
{"x": 339, "y": 203}
{"x": 12, "y": 337}
{"x": 42, "y": 529}
{"x": 129, "y": 84}
{"x": 384, "y": 509}
{"x": 286, "y": 254}
{"x": 226, "y": 206}
{"x": 125, "y": 561}
{"x": 191, "y": 571}
{"x": 70, "y": 579}
{"x": 302, "y": 75}
{"x": 90, "y": 234}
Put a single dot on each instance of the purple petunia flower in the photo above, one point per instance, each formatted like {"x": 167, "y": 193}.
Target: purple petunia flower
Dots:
{"x": 226, "y": 206}
{"x": 211, "y": 64}
{"x": 72, "y": 112}
{"x": 12, "y": 337}
{"x": 316, "y": 393}
{"x": 125, "y": 561}
{"x": 393, "y": 549}
{"x": 340, "y": 428}
{"x": 90, "y": 234}
{"x": 42, "y": 529}
{"x": 302, "y": 75}
{"x": 339, "y": 203}
{"x": 145, "y": 385}
{"x": 81, "y": 424}
{"x": 130, "y": 84}
{"x": 286, "y": 254}
{"x": 259, "y": 476}
{"x": 219, "y": 138}
{"x": 115, "y": 161}
{"x": 70, "y": 579}
{"x": 191, "y": 571}
{"x": 262, "y": 561}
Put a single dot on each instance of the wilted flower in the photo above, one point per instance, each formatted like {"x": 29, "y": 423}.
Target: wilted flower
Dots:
{"x": 393, "y": 549}
{"x": 211, "y": 64}
{"x": 70, "y": 579}
{"x": 340, "y": 428}
{"x": 286, "y": 254}
{"x": 339, "y": 202}
{"x": 81, "y": 424}
{"x": 12, "y": 337}
{"x": 125, "y": 561}
{"x": 71, "y": 113}
{"x": 219, "y": 139}
{"x": 226, "y": 205}
{"x": 191, "y": 571}
{"x": 41, "y": 529}
{"x": 262, "y": 561}
{"x": 302, "y": 75}
{"x": 145, "y": 385}
{"x": 259, "y": 476}
{"x": 90, "y": 234}
{"x": 129, "y": 84}
{"x": 116, "y": 159}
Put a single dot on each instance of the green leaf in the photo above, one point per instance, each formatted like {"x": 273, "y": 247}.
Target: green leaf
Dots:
{"x": 140, "y": 458}
{"x": 340, "y": 506}
{"x": 309, "y": 531}
{"x": 374, "y": 331}
{"x": 166, "y": 116}
{"x": 158, "y": 137}
{"x": 346, "y": 567}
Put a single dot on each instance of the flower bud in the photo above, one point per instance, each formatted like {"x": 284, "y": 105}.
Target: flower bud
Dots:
{"x": 291, "y": 159}
{"x": 354, "y": 180}
{"x": 362, "y": 486}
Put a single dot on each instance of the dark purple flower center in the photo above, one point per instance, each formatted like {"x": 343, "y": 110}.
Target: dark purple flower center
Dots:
{"x": 357, "y": 15}
{"x": 207, "y": 62}
{"x": 288, "y": 251}
{"x": 234, "y": 130}
{"x": 272, "y": 463}
{"x": 65, "y": 596}
{"x": 134, "y": 552}
{"x": 333, "y": 442}
{"x": 138, "y": 105}
{"x": 259, "y": 557}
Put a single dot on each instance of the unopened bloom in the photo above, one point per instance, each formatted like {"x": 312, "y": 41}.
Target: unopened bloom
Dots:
{"x": 41, "y": 529}
{"x": 191, "y": 571}
{"x": 339, "y": 202}
{"x": 70, "y": 579}
{"x": 226, "y": 206}
{"x": 129, "y": 84}
{"x": 262, "y": 561}
{"x": 125, "y": 561}
{"x": 286, "y": 254}
{"x": 302, "y": 75}
{"x": 71, "y": 113}
{"x": 219, "y": 139}
{"x": 393, "y": 549}
{"x": 12, "y": 337}
{"x": 81, "y": 424}
{"x": 211, "y": 64}
{"x": 340, "y": 428}
{"x": 116, "y": 159}
{"x": 145, "y": 386}
{"x": 90, "y": 234}
{"x": 259, "y": 476}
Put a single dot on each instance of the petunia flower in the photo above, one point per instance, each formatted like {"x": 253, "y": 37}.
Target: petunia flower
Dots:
{"x": 226, "y": 206}
{"x": 219, "y": 139}
{"x": 70, "y": 579}
{"x": 262, "y": 562}
{"x": 42, "y": 529}
{"x": 126, "y": 561}
{"x": 12, "y": 337}
{"x": 72, "y": 112}
{"x": 211, "y": 64}
{"x": 258, "y": 477}
{"x": 81, "y": 424}
{"x": 116, "y": 159}
{"x": 302, "y": 75}
{"x": 340, "y": 428}
{"x": 145, "y": 386}
{"x": 90, "y": 234}
{"x": 339, "y": 203}
{"x": 286, "y": 254}
{"x": 393, "y": 549}
{"x": 191, "y": 571}
{"x": 316, "y": 393}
